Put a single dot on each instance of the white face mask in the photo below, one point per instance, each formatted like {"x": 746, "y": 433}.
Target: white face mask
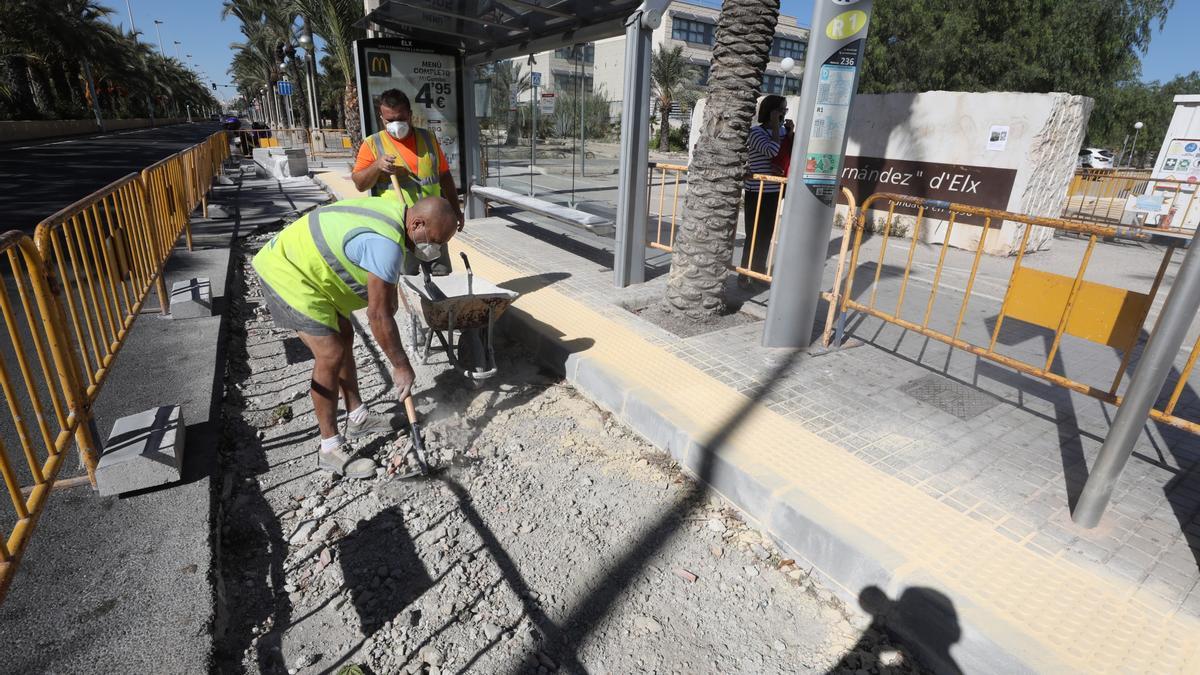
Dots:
{"x": 398, "y": 129}
{"x": 428, "y": 252}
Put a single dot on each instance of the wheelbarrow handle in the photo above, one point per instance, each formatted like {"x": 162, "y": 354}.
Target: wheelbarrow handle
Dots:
{"x": 470, "y": 273}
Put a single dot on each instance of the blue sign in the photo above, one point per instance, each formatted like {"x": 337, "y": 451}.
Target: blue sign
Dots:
{"x": 285, "y": 88}
{"x": 537, "y": 79}
{"x": 1190, "y": 147}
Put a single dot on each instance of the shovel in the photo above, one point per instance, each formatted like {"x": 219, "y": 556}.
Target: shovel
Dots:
{"x": 418, "y": 444}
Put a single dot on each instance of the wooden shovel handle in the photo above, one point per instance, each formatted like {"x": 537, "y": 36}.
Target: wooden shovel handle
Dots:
{"x": 410, "y": 410}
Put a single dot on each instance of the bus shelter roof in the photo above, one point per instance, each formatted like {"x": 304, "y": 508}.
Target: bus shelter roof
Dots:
{"x": 488, "y": 30}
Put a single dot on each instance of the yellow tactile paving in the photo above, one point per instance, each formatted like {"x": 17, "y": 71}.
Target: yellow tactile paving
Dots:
{"x": 1050, "y": 611}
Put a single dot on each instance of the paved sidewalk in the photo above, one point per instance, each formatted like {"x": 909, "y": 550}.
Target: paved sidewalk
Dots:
{"x": 124, "y": 584}
{"x": 898, "y": 462}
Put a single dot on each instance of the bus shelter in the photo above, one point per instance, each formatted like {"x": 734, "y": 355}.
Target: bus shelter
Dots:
{"x": 443, "y": 42}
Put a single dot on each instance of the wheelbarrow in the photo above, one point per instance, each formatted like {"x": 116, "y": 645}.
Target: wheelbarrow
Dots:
{"x": 459, "y": 311}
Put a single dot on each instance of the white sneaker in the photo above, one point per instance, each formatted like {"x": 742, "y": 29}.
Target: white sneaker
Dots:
{"x": 373, "y": 424}
{"x": 344, "y": 463}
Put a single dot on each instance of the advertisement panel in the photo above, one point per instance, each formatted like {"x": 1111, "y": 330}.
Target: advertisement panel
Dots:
{"x": 429, "y": 75}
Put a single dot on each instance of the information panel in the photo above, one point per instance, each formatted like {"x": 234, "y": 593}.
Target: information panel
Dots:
{"x": 428, "y": 74}
{"x": 835, "y": 89}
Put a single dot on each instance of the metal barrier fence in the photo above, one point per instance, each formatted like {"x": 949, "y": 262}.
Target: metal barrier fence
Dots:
{"x": 667, "y": 178}
{"x": 753, "y": 243}
{"x": 53, "y": 406}
{"x": 1132, "y": 198}
{"x": 315, "y": 142}
{"x": 81, "y": 281}
{"x": 1067, "y": 305}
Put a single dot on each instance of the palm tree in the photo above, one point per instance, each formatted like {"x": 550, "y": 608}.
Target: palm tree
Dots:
{"x": 507, "y": 76}
{"x": 47, "y": 50}
{"x": 674, "y": 80}
{"x": 335, "y": 21}
{"x": 704, "y": 242}
{"x": 265, "y": 25}
{"x": 331, "y": 89}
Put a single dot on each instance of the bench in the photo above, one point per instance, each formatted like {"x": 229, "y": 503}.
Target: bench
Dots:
{"x": 590, "y": 222}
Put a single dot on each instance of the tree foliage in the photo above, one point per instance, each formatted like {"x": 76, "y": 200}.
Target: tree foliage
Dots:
{"x": 1081, "y": 47}
{"x": 47, "y": 48}
{"x": 336, "y": 22}
{"x": 1151, "y": 103}
{"x": 1087, "y": 47}
{"x": 673, "y": 80}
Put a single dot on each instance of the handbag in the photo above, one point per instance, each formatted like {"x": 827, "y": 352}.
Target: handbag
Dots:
{"x": 782, "y": 161}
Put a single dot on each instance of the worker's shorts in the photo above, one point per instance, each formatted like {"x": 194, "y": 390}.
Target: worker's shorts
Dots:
{"x": 288, "y": 317}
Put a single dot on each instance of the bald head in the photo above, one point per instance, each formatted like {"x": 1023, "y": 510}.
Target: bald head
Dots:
{"x": 435, "y": 217}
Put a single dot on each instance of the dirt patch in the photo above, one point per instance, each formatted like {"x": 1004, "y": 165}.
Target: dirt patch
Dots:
{"x": 552, "y": 540}
{"x": 680, "y": 325}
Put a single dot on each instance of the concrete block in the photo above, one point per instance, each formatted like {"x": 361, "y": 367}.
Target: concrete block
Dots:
{"x": 280, "y": 162}
{"x": 297, "y": 162}
{"x": 217, "y": 212}
{"x": 143, "y": 451}
{"x": 191, "y": 298}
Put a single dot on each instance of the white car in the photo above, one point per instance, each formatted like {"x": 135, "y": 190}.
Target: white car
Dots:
{"x": 1095, "y": 158}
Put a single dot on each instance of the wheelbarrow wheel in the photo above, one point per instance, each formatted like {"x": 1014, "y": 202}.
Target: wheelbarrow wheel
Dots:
{"x": 472, "y": 354}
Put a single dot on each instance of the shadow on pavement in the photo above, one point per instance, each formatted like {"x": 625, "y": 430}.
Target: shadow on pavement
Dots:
{"x": 254, "y": 543}
{"x": 922, "y": 616}
{"x": 563, "y": 640}
{"x": 382, "y": 569}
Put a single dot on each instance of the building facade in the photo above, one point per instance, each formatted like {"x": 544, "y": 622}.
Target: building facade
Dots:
{"x": 601, "y": 65}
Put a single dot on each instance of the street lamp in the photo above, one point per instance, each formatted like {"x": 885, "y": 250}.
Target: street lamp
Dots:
{"x": 1137, "y": 127}
{"x": 788, "y": 64}
{"x": 129, "y": 11}
{"x": 310, "y": 74}
{"x": 177, "y": 57}
{"x": 158, "y": 32}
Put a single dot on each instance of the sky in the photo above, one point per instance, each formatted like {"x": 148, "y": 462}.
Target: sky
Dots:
{"x": 197, "y": 25}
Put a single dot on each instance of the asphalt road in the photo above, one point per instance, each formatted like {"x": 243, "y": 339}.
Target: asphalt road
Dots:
{"x": 39, "y": 178}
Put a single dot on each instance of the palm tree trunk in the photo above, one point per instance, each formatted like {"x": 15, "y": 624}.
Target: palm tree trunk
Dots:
{"x": 37, "y": 87}
{"x": 704, "y": 242}
{"x": 664, "y": 129}
{"x": 63, "y": 91}
{"x": 350, "y": 107}
{"x": 514, "y": 129}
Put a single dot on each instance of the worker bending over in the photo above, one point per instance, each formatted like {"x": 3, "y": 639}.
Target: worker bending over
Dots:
{"x": 332, "y": 261}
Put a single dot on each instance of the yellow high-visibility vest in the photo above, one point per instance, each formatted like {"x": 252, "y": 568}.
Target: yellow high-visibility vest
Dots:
{"x": 306, "y": 263}
{"x": 426, "y": 182}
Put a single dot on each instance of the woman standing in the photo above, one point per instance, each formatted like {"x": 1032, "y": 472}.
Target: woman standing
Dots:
{"x": 766, "y": 142}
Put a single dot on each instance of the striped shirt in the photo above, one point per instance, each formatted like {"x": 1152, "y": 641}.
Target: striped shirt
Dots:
{"x": 762, "y": 151}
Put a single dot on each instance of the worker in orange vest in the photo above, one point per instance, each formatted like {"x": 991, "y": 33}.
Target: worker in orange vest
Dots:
{"x": 422, "y": 172}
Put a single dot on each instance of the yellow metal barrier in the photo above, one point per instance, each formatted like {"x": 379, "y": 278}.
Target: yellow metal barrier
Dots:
{"x": 77, "y": 287}
{"x": 315, "y": 142}
{"x": 667, "y": 178}
{"x": 166, "y": 189}
{"x": 331, "y": 142}
{"x": 1066, "y": 304}
{"x": 50, "y": 409}
{"x": 107, "y": 252}
{"x": 1102, "y": 196}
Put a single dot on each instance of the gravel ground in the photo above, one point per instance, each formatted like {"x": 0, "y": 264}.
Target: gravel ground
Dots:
{"x": 552, "y": 539}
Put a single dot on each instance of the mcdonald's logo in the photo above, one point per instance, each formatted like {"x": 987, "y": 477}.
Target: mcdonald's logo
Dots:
{"x": 379, "y": 64}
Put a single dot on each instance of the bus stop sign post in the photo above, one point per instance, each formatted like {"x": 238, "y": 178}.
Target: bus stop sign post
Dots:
{"x": 832, "y": 67}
